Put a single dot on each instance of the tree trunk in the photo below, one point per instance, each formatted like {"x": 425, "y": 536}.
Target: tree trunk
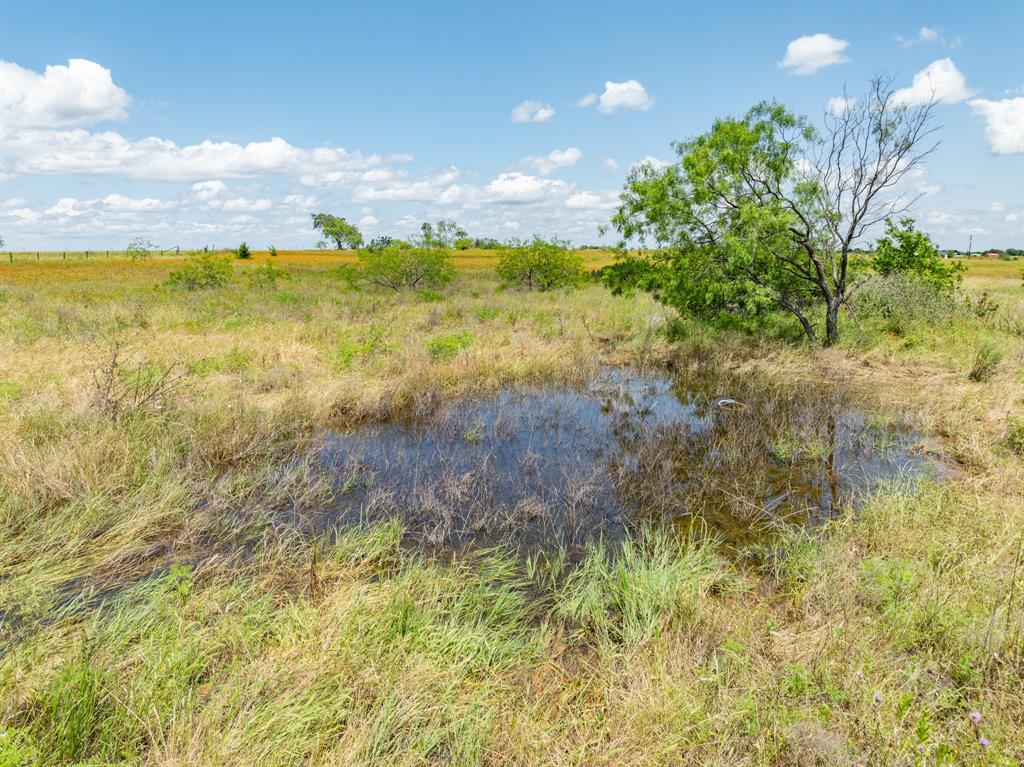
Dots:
{"x": 832, "y": 320}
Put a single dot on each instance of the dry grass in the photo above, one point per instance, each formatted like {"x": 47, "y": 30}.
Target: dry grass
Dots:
{"x": 243, "y": 643}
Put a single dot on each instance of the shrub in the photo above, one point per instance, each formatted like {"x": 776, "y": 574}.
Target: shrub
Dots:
{"x": 400, "y": 266}
{"x": 442, "y": 347}
{"x": 986, "y": 362}
{"x": 272, "y": 251}
{"x": 202, "y": 272}
{"x": 905, "y": 250}
{"x": 540, "y": 265}
{"x": 140, "y": 247}
{"x": 902, "y": 300}
{"x": 1015, "y": 435}
{"x": 266, "y": 277}
{"x": 378, "y": 244}
{"x": 242, "y": 252}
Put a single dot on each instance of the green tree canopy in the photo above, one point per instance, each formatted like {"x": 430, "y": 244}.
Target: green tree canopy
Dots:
{"x": 764, "y": 211}
{"x": 444, "y": 234}
{"x": 906, "y": 250}
{"x": 336, "y": 228}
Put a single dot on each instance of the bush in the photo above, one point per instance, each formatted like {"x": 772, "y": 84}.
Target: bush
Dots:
{"x": 986, "y": 362}
{"x": 378, "y": 244}
{"x": 242, "y": 252}
{"x": 202, "y": 272}
{"x": 400, "y": 266}
{"x": 902, "y": 300}
{"x": 140, "y": 247}
{"x": 905, "y": 250}
{"x": 266, "y": 277}
{"x": 1015, "y": 435}
{"x": 540, "y": 265}
{"x": 442, "y": 347}
{"x": 272, "y": 251}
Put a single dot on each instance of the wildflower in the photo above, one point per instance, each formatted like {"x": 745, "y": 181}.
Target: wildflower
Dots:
{"x": 878, "y": 697}
{"x": 983, "y": 742}
{"x": 975, "y": 717}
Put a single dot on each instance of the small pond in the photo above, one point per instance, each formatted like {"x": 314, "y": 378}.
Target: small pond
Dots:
{"x": 552, "y": 466}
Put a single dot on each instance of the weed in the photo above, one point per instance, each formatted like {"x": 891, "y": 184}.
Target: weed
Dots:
{"x": 448, "y": 345}
{"x": 987, "y": 359}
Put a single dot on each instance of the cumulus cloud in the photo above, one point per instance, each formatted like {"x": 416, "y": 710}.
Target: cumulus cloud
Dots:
{"x": 653, "y": 162}
{"x": 532, "y": 112}
{"x": 368, "y": 221}
{"x": 592, "y": 201}
{"x": 588, "y": 100}
{"x": 79, "y": 94}
{"x": 80, "y": 152}
{"x": 940, "y": 81}
{"x": 521, "y": 187}
{"x": 429, "y": 189}
{"x": 559, "y": 158}
{"x": 1004, "y": 124}
{"x": 627, "y": 95}
{"x": 837, "y": 105}
{"x": 240, "y": 205}
{"x": 807, "y": 54}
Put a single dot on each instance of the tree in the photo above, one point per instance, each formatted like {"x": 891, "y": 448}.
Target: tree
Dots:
{"x": 540, "y": 264}
{"x": 344, "y": 234}
{"x": 401, "y": 266}
{"x": 242, "y": 252}
{"x": 905, "y": 250}
{"x": 444, "y": 234}
{"x": 140, "y": 247}
{"x": 763, "y": 212}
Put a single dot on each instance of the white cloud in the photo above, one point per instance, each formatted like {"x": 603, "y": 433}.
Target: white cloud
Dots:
{"x": 520, "y": 187}
{"x": 559, "y": 158}
{"x": 925, "y": 36}
{"x": 26, "y": 215}
{"x": 940, "y": 81}
{"x": 997, "y": 207}
{"x": 532, "y": 111}
{"x": 81, "y": 93}
{"x": 120, "y": 202}
{"x": 610, "y": 163}
{"x": 368, "y": 221}
{"x": 654, "y": 162}
{"x": 12, "y": 202}
{"x": 928, "y": 190}
{"x": 300, "y": 200}
{"x": 592, "y": 201}
{"x": 1011, "y": 217}
{"x": 242, "y": 205}
{"x": 109, "y": 153}
{"x": 588, "y": 100}
{"x": 627, "y": 95}
{"x": 837, "y": 105}
{"x": 204, "y": 191}
{"x": 429, "y": 189}
{"x": 1004, "y": 124}
{"x": 806, "y": 55}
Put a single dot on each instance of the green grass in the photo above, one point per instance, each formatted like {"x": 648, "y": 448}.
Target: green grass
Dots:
{"x": 154, "y": 614}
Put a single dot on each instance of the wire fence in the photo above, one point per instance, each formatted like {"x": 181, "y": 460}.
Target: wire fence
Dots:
{"x": 40, "y": 256}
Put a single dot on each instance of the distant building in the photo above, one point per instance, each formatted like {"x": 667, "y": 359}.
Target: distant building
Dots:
{"x": 992, "y": 254}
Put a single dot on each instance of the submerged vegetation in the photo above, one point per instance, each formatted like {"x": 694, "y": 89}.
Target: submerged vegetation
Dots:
{"x": 164, "y": 601}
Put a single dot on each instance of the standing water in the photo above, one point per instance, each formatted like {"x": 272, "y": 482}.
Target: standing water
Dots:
{"x": 559, "y": 466}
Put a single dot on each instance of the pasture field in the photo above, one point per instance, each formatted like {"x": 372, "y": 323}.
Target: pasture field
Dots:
{"x": 157, "y": 609}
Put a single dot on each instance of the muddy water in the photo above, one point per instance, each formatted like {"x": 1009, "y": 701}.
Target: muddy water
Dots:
{"x": 555, "y": 466}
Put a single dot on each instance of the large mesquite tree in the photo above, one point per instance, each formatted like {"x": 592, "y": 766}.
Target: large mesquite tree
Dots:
{"x": 763, "y": 212}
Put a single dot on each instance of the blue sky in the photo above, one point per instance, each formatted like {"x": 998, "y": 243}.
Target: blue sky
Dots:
{"x": 210, "y": 123}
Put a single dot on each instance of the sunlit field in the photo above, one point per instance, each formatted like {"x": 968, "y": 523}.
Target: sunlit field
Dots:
{"x": 164, "y": 601}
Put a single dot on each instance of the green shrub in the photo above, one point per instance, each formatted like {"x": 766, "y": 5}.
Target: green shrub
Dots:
{"x": 906, "y": 250}
{"x": 242, "y": 252}
{"x": 540, "y": 265}
{"x": 140, "y": 248}
{"x": 265, "y": 277}
{"x": 986, "y": 361}
{"x": 1015, "y": 435}
{"x": 902, "y": 300}
{"x": 202, "y": 272}
{"x": 442, "y": 347}
{"x": 272, "y": 251}
{"x": 400, "y": 266}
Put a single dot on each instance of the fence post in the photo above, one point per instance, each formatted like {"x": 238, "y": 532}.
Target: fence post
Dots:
{"x": 37, "y": 255}
{"x": 65, "y": 255}
{"x": 11, "y": 256}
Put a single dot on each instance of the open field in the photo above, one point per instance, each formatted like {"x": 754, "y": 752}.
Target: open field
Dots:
{"x": 156, "y": 610}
